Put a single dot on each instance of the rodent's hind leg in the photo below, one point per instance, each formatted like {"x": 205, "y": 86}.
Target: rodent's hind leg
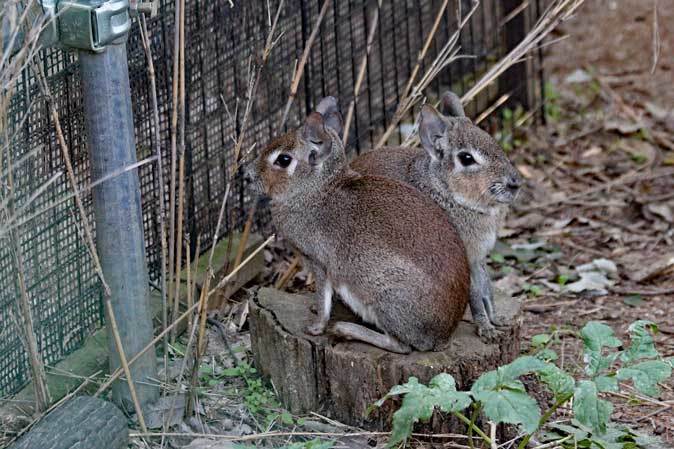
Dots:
{"x": 353, "y": 331}
{"x": 324, "y": 302}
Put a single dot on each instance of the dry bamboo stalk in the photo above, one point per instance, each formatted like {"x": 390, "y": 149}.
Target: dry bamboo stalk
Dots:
{"x": 424, "y": 50}
{"x": 193, "y": 286}
{"x": 114, "y": 376}
{"x": 178, "y": 251}
{"x": 186, "y": 358}
{"x": 160, "y": 181}
{"x": 303, "y": 61}
{"x": 264, "y": 435}
{"x": 39, "y": 376}
{"x": 181, "y": 163}
{"x": 292, "y": 269}
{"x": 487, "y": 112}
{"x": 244, "y": 236}
{"x": 361, "y": 72}
{"x": 254, "y": 78}
{"x": 557, "y": 13}
{"x": 44, "y": 87}
{"x": 12, "y": 67}
{"x": 122, "y": 359}
{"x": 201, "y": 346}
{"x": 174, "y": 159}
{"x": 188, "y": 267}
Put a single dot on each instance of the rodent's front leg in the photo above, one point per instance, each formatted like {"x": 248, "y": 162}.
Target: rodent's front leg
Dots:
{"x": 488, "y": 297}
{"x": 323, "y": 300}
{"x": 481, "y": 303}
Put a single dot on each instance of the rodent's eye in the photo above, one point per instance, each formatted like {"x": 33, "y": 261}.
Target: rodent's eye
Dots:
{"x": 283, "y": 160}
{"x": 466, "y": 159}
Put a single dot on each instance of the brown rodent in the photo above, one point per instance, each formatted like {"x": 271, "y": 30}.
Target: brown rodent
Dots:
{"x": 388, "y": 251}
{"x": 465, "y": 171}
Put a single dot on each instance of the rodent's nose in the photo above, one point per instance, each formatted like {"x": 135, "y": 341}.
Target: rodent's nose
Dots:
{"x": 514, "y": 183}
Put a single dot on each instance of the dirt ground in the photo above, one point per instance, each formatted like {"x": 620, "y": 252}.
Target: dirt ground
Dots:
{"x": 600, "y": 183}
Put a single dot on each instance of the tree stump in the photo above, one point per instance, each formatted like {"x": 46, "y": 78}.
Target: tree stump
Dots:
{"x": 343, "y": 379}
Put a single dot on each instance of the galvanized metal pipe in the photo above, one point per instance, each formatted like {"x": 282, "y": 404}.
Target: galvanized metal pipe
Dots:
{"x": 117, "y": 208}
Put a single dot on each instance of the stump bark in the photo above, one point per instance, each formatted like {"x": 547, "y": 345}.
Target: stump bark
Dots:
{"x": 343, "y": 379}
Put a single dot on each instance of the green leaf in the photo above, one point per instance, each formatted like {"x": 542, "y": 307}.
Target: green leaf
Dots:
{"x": 497, "y": 258}
{"x": 606, "y": 383}
{"x": 578, "y": 433}
{"x": 540, "y": 340}
{"x": 420, "y": 401}
{"x": 560, "y": 383}
{"x": 287, "y": 418}
{"x": 597, "y": 336}
{"x": 642, "y": 345}
{"x": 633, "y": 300}
{"x": 589, "y": 409}
{"x": 523, "y": 365}
{"x": 231, "y": 372}
{"x": 415, "y": 407}
{"x": 547, "y": 355}
{"x": 510, "y": 406}
{"x": 646, "y": 375}
{"x": 445, "y": 395}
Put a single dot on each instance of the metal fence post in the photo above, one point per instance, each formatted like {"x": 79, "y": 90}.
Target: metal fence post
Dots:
{"x": 117, "y": 208}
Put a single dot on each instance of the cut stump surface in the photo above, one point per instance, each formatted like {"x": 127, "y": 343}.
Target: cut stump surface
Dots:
{"x": 342, "y": 379}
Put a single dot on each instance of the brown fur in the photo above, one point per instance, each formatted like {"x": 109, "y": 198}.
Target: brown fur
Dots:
{"x": 475, "y": 198}
{"x": 376, "y": 239}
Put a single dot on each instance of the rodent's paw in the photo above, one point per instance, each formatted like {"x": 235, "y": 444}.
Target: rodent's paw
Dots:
{"x": 501, "y": 322}
{"x": 488, "y": 333}
{"x": 315, "y": 329}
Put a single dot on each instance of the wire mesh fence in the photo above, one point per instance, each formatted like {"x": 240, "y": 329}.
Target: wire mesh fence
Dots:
{"x": 224, "y": 43}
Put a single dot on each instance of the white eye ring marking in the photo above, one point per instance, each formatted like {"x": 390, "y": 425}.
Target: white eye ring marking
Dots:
{"x": 272, "y": 158}
{"x": 475, "y": 153}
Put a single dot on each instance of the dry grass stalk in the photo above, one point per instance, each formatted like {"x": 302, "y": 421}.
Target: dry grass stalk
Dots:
{"x": 20, "y": 48}
{"x": 188, "y": 268}
{"x": 159, "y": 177}
{"x": 264, "y": 435}
{"x": 361, "y": 72}
{"x": 288, "y": 274}
{"x": 243, "y": 241}
{"x": 254, "y": 75}
{"x": 181, "y": 156}
{"x": 27, "y": 328}
{"x": 297, "y": 77}
{"x": 558, "y": 12}
{"x": 123, "y": 362}
{"x": 447, "y": 54}
{"x": 174, "y": 161}
{"x": 424, "y": 49}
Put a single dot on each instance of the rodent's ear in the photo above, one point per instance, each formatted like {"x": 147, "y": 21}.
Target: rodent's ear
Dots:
{"x": 451, "y": 105}
{"x": 432, "y": 128}
{"x": 313, "y": 130}
{"x": 314, "y": 135}
{"x": 329, "y": 109}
